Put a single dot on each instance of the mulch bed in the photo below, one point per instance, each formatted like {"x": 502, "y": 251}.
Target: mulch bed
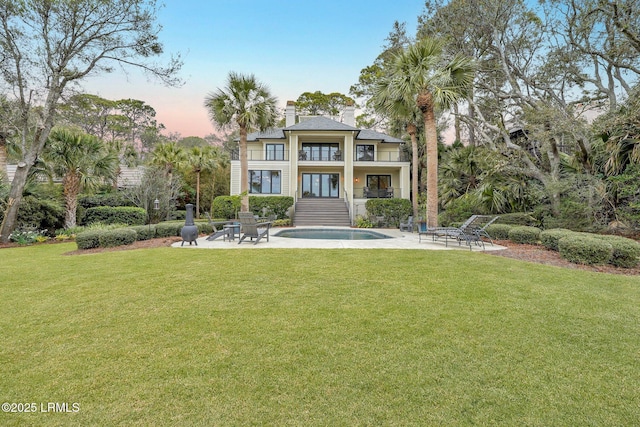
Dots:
{"x": 530, "y": 253}
{"x": 541, "y": 255}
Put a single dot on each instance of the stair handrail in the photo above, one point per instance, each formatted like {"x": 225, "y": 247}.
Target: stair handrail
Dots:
{"x": 346, "y": 202}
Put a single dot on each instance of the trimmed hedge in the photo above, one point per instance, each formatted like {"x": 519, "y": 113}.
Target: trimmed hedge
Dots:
{"x": 499, "y": 231}
{"x": 168, "y": 229}
{"x": 524, "y": 234}
{"x": 549, "y": 238}
{"x": 117, "y": 237}
{"x": 88, "y": 239}
{"x": 107, "y": 199}
{"x": 144, "y": 232}
{"x": 582, "y": 248}
{"x": 115, "y": 215}
{"x": 626, "y": 252}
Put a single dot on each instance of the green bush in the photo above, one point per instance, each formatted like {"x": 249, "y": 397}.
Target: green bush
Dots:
{"x": 179, "y": 215}
{"x": 362, "y": 222}
{"x": 392, "y": 209}
{"x": 458, "y": 210}
{"x": 517, "y": 218}
{"x": 109, "y": 199}
{"x": 499, "y": 231}
{"x": 282, "y": 222}
{"x": 204, "y": 227}
{"x": 40, "y": 213}
{"x": 524, "y": 234}
{"x": 626, "y": 252}
{"x": 227, "y": 206}
{"x": 549, "y": 238}
{"x": 144, "y": 232}
{"x": 273, "y": 205}
{"x": 118, "y": 237}
{"x": 582, "y": 248}
{"x": 120, "y": 214}
{"x": 169, "y": 229}
{"x": 88, "y": 239}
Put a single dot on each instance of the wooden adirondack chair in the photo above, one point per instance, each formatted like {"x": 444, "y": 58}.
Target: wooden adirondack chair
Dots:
{"x": 251, "y": 228}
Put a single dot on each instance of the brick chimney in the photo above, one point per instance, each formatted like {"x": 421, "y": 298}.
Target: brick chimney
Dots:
{"x": 290, "y": 114}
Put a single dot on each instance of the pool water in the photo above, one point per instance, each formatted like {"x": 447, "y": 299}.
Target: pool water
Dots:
{"x": 331, "y": 234}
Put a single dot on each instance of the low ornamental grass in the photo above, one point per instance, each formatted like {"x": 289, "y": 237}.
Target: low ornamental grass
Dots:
{"x": 172, "y": 336}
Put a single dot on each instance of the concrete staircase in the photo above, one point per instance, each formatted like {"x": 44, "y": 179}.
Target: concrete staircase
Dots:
{"x": 320, "y": 211}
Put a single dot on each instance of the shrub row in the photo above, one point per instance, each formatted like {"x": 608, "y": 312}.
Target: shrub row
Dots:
{"x": 115, "y": 215}
{"x": 585, "y": 248}
{"x": 94, "y": 238}
{"x": 228, "y": 206}
{"x": 524, "y": 234}
{"x": 576, "y": 247}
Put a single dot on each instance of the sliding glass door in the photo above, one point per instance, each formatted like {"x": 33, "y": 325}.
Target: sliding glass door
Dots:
{"x": 320, "y": 185}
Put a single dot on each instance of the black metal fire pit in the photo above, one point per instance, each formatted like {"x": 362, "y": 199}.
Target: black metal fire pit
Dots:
{"x": 189, "y": 231}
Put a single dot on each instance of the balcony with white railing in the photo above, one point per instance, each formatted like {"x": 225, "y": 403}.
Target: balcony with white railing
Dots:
{"x": 261, "y": 155}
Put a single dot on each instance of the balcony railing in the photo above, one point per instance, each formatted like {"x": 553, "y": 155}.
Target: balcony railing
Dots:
{"x": 377, "y": 193}
{"x": 261, "y": 155}
{"x": 304, "y": 156}
{"x": 385, "y": 156}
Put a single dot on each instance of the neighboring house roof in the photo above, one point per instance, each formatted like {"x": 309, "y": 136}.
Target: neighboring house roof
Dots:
{"x": 130, "y": 177}
{"x": 322, "y": 124}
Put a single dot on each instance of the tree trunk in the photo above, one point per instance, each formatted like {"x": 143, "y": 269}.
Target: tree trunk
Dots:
{"x": 30, "y": 156}
{"x": 4, "y": 173}
{"x": 425, "y": 103}
{"x": 411, "y": 130}
{"x": 244, "y": 170}
{"x": 71, "y": 190}
{"x": 456, "y": 123}
{"x": 197, "y": 194}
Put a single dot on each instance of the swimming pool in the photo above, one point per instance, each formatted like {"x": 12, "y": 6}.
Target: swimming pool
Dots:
{"x": 331, "y": 234}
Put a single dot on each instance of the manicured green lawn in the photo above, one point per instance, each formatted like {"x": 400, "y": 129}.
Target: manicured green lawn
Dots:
{"x": 166, "y": 337}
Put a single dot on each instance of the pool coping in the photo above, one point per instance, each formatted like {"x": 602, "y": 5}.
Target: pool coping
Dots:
{"x": 399, "y": 240}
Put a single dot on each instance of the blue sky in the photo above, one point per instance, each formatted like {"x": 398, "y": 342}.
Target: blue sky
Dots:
{"x": 293, "y": 46}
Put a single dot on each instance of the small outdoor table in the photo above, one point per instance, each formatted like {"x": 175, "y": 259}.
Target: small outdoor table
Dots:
{"x": 232, "y": 230}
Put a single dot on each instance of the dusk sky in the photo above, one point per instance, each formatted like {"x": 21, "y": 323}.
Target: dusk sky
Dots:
{"x": 292, "y": 46}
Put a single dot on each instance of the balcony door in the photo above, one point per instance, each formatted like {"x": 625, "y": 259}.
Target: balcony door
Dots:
{"x": 320, "y": 185}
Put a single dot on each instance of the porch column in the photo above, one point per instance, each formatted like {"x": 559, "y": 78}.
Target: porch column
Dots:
{"x": 293, "y": 161}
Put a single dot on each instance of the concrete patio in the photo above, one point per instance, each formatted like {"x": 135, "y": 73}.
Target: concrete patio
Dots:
{"x": 399, "y": 240}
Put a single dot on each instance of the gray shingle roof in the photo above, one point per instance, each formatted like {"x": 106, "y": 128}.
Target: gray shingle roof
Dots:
{"x": 274, "y": 133}
{"x": 322, "y": 124}
{"x": 373, "y": 135}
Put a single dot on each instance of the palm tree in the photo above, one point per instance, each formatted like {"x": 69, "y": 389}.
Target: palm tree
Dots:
{"x": 422, "y": 76}
{"x": 168, "y": 157}
{"x": 407, "y": 116}
{"x": 201, "y": 159}
{"x": 249, "y": 104}
{"x": 82, "y": 160}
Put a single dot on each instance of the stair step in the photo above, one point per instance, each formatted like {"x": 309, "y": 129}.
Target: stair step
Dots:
{"x": 319, "y": 211}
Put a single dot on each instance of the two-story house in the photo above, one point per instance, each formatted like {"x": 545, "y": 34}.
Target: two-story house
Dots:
{"x": 322, "y": 160}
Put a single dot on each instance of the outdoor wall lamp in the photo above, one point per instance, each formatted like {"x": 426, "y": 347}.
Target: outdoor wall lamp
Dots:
{"x": 357, "y": 180}
{"x": 156, "y": 204}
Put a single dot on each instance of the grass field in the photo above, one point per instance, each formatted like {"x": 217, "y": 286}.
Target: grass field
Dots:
{"x": 166, "y": 337}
